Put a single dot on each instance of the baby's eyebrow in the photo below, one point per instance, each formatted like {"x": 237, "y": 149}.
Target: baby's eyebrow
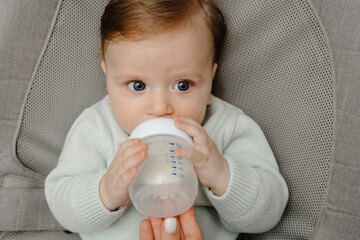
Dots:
{"x": 127, "y": 77}
{"x": 189, "y": 74}
{"x": 186, "y": 74}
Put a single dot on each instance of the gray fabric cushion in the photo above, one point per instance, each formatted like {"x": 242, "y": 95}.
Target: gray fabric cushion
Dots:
{"x": 277, "y": 67}
{"x": 341, "y": 215}
{"x": 39, "y": 235}
{"x": 68, "y": 80}
{"x": 24, "y": 30}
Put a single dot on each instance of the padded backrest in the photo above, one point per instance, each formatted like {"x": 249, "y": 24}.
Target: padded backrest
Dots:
{"x": 25, "y": 27}
{"x": 278, "y": 68}
{"x": 340, "y": 218}
{"x": 68, "y": 80}
{"x": 276, "y": 65}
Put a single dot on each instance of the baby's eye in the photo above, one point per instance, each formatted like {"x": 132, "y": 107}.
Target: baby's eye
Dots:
{"x": 182, "y": 86}
{"x": 137, "y": 86}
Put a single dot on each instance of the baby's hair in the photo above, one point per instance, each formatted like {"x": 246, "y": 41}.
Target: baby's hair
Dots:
{"x": 137, "y": 19}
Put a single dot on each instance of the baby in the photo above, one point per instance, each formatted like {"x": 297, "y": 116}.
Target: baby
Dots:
{"x": 160, "y": 58}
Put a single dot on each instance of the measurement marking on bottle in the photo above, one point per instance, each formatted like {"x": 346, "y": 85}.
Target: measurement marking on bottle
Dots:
{"x": 175, "y": 162}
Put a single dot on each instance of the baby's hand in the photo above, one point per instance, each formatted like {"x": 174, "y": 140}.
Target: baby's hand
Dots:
{"x": 211, "y": 168}
{"x": 122, "y": 170}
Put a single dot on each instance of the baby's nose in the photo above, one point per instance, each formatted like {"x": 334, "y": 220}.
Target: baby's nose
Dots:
{"x": 161, "y": 105}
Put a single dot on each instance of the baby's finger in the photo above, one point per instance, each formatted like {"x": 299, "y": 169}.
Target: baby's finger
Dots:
{"x": 196, "y": 157}
{"x": 127, "y": 177}
{"x": 193, "y": 129}
{"x": 188, "y": 120}
{"x": 133, "y": 149}
{"x": 131, "y": 161}
{"x": 128, "y": 143}
{"x": 125, "y": 145}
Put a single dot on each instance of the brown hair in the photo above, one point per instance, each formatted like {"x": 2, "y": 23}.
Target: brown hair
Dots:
{"x": 137, "y": 19}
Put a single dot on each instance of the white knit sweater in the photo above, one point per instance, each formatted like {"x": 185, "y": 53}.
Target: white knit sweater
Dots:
{"x": 254, "y": 201}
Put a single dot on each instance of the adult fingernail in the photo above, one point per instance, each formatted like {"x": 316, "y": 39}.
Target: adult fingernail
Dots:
{"x": 170, "y": 225}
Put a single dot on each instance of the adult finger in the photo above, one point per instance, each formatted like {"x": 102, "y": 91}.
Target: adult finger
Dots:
{"x": 190, "y": 227}
{"x": 170, "y": 229}
{"x": 146, "y": 232}
{"x": 156, "y": 224}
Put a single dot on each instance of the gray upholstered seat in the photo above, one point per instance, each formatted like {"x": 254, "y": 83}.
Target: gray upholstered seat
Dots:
{"x": 293, "y": 66}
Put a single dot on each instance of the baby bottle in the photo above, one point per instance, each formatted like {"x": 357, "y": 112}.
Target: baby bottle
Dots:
{"x": 166, "y": 185}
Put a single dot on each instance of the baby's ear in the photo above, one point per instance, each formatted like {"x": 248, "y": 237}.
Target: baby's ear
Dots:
{"x": 209, "y": 100}
{"x": 214, "y": 69}
{"x": 103, "y": 66}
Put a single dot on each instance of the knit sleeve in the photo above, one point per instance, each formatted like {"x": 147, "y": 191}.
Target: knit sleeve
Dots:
{"x": 257, "y": 194}
{"x": 72, "y": 188}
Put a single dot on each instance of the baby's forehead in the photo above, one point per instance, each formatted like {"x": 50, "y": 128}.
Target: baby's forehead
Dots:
{"x": 159, "y": 39}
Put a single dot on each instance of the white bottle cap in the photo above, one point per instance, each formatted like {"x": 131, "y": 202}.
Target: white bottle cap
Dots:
{"x": 159, "y": 126}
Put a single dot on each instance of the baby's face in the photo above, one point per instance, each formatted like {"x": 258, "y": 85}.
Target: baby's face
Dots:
{"x": 162, "y": 76}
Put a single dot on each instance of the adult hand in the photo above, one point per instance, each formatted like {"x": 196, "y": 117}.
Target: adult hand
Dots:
{"x": 181, "y": 227}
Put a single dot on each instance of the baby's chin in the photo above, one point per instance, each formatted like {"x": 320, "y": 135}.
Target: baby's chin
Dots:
{"x": 127, "y": 129}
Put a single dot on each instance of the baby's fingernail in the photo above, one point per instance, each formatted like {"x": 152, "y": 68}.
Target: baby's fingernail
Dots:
{"x": 170, "y": 225}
